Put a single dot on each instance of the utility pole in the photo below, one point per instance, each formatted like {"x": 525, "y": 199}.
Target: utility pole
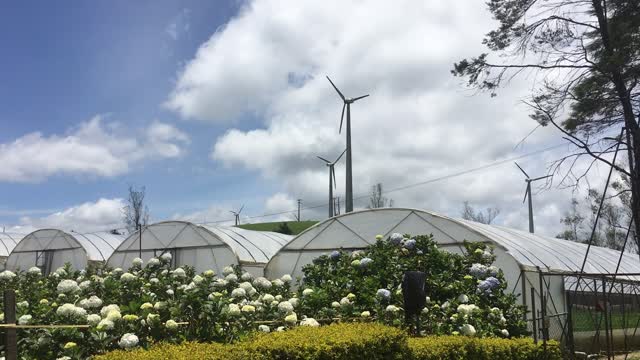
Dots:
{"x": 139, "y": 241}
{"x": 299, "y": 206}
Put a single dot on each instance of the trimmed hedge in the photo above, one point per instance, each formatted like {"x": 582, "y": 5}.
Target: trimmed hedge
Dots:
{"x": 462, "y": 347}
{"x": 348, "y": 342}
{"x": 336, "y": 341}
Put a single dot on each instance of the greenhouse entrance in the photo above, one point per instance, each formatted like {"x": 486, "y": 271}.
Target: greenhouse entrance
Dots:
{"x": 587, "y": 313}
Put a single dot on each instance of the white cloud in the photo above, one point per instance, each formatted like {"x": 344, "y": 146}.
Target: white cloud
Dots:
{"x": 94, "y": 148}
{"x": 104, "y": 214}
{"x": 419, "y": 123}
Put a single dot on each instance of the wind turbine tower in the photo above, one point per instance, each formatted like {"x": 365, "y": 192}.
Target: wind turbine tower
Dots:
{"x": 527, "y": 193}
{"x": 349, "y": 182}
{"x": 237, "y": 214}
{"x": 332, "y": 180}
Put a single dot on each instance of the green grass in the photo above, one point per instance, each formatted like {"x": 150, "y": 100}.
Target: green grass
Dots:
{"x": 296, "y": 226}
{"x": 585, "y": 320}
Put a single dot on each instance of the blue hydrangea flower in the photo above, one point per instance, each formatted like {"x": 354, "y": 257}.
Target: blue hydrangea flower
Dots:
{"x": 396, "y": 238}
{"x": 410, "y": 244}
{"x": 489, "y": 284}
{"x": 478, "y": 270}
{"x": 365, "y": 261}
{"x": 383, "y": 294}
{"x": 335, "y": 255}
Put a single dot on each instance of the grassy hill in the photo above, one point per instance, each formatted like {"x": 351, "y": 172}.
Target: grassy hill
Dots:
{"x": 296, "y": 226}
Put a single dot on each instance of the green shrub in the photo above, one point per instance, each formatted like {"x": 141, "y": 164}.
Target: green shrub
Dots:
{"x": 336, "y": 341}
{"x": 348, "y": 341}
{"x": 462, "y": 348}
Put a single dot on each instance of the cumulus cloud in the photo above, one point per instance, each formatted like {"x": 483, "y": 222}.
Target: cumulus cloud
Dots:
{"x": 270, "y": 62}
{"x": 103, "y": 214}
{"x": 94, "y": 148}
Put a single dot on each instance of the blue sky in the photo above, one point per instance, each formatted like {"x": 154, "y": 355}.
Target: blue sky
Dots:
{"x": 214, "y": 104}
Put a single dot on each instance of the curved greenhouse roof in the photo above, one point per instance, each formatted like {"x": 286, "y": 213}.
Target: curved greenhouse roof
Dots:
{"x": 50, "y": 248}
{"x": 515, "y": 250}
{"x": 8, "y": 242}
{"x": 203, "y": 247}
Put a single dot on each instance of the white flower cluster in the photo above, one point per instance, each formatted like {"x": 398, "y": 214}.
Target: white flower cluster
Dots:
{"x": 262, "y": 283}
{"x": 68, "y": 286}
{"x": 34, "y": 271}
{"x": 70, "y": 310}
{"x": 466, "y": 310}
{"x": 128, "y": 341}
{"x": 127, "y": 277}
{"x": 7, "y": 275}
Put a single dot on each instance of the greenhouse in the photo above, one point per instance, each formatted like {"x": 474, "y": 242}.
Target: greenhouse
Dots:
{"x": 203, "y": 247}
{"x": 8, "y": 241}
{"x": 530, "y": 262}
{"x": 49, "y": 249}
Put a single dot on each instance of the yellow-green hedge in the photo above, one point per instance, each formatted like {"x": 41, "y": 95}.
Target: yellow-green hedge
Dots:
{"x": 347, "y": 341}
{"x": 337, "y": 341}
{"x": 462, "y": 347}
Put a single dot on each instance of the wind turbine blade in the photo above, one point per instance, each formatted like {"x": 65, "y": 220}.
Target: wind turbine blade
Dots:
{"x": 233, "y": 212}
{"x": 339, "y": 157}
{"x": 335, "y": 87}
{"x": 359, "y": 97}
{"x": 541, "y": 177}
{"x": 526, "y": 192}
{"x": 323, "y": 159}
{"x": 521, "y": 169}
{"x": 333, "y": 173}
{"x": 342, "y": 118}
{"x": 242, "y": 207}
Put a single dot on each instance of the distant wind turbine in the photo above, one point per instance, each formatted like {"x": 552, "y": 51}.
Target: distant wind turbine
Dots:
{"x": 237, "y": 214}
{"x": 349, "y": 181}
{"x": 332, "y": 180}
{"x": 527, "y": 193}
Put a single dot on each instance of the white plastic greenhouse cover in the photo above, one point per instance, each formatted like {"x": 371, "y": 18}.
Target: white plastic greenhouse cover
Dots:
{"x": 524, "y": 251}
{"x": 8, "y": 241}
{"x": 61, "y": 247}
{"x": 203, "y": 247}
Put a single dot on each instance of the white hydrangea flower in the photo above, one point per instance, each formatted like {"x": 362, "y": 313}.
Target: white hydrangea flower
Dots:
{"x": 246, "y": 276}
{"x": 234, "y": 309}
{"x": 71, "y": 310}
{"x": 128, "y": 341}
{"x": 227, "y": 270}
{"x": 466, "y": 309}
{"x": 153, "y": 262}
{"x": 146, "y": 306}
{"x": 179, "y": 273}
{"x": 137, "y": 262}
{"x": 232, "y": 278}
{"x": 294, "y": 302}
{"x": 160, "y": 305}
{"x": 468, "y": 330}
{"x": 392, "y": 309}
{"x": 365, "y": 314}
{"x": 34, "y": 271}
{"x": 107, "y": 309}
{"x": 248, "y": 309}
{"x": 171, "y": 325}
{"x": 307, "y": 292}
{"x": 264, "y": 328}
{"x": 279, "y": 297}
{"x": 24, "y": 319}
{"x": 93, "y": 319}
{"x": 268, "y": 298}
{"x": 345, "y": 302}
{"x": 286, "y": 278}
{"x": 238, "y": 293}
{"x": 246, "y": 286}
{"x": 84, "y": 285}
{"x": 463, "y": 299}
{"x": 502, "y": 321}
{"x": 335, "y": 304}
{"x": 285, "y": 307}
{"x": 94, "y": 302}
{"x": 291, "y": 319}
{"x": 114, "y": 315}
{"x": 504, "y": 332}
{"x": 309, "y": 322}
{"x": 127, "y": 277}
{"x": 23, "y": 304}
{"x": 68, "y": 286}
{"x": 60, "y": 271}
{"x": 280, "y": 328}
{"x": 277, "y": 283}
{"x": 166, "y": 257}
{"x": 198, "y": 279}
{"x": 169, "y": 292}
{"x": 190, "y": 287}
{"x": 105, "y": 324}
{"x": 219, "y": 283}
{"x": 209, "y": 273}
{"x": 262, "y": 283}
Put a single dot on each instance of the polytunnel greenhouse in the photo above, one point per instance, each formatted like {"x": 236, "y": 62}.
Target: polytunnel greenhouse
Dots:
{"x": 8, "y": 242}
{"x": 203, "y": 247}
{"x": 49, "y": 249}
{"x": 541, "y": 271}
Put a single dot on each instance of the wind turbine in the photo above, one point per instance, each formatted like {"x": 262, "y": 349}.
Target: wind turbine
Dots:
{"x": 527, "y": 192}
{"x": 332, "y": 180}
{"x": 237, "y": 214}
{"x": 347, "y": 105}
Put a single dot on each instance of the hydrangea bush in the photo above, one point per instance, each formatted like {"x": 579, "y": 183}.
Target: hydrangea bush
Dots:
{"x": 151, "y": 302}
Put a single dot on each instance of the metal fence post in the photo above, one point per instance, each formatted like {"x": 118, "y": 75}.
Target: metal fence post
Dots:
{"x": 10, "y": 336}
{"x": 606, "y": 316}
{"x": 572, "y": 348}
{"x": 533, "y": 315}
